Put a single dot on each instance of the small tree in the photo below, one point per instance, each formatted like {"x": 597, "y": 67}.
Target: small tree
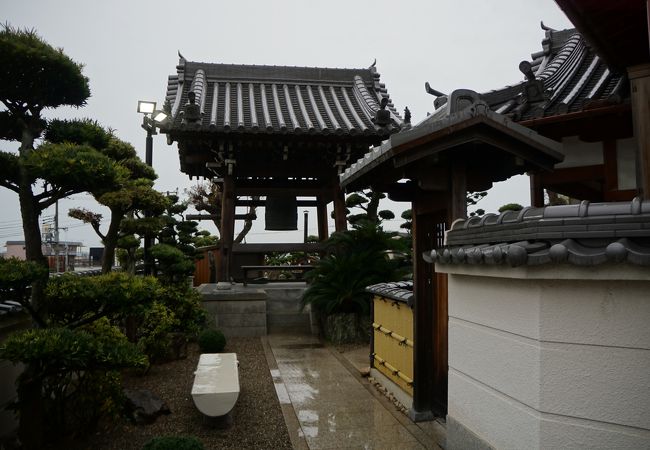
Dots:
{"x": 368, "y": 202}
{"x": 176, "y": 251}
{"x": 72, "y": 357}
{"x": 36, "y": 76}
{"x": 135, "y": 195}
{"x": 511, "y": 207}
{"x": 356, "y": 258}
{"x": 207, "y": 197}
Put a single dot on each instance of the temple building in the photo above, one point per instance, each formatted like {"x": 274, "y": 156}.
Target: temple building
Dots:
{"x": 530, "y": 327}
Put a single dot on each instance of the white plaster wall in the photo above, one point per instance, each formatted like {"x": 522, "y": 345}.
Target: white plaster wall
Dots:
{"x": 507, "y": 424}
{"x": 606, "y": 384}
{"x": 566, "y": 360}
{"x": 480, "y": 300}
{"x": 605, "y": 312}
{"x": 476, "y": 348}
{"x": 578, "y": 153}
{"x": 492, "y": 416}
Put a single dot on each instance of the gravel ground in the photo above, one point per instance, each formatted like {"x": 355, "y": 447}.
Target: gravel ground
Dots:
{"x": 257, "y": 421}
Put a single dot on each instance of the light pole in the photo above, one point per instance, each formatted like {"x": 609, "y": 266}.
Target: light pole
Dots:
{"x": 152, "y": 117}
{"x": 306, "y": 213}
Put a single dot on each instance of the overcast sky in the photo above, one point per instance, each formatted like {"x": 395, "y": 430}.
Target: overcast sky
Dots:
{"x": 129, "y": 48}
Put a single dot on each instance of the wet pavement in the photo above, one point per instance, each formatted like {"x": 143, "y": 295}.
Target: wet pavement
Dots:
{"x": 327, "y": 404}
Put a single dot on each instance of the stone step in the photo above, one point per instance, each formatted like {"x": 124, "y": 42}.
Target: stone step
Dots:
{"x": 288, "y": 322}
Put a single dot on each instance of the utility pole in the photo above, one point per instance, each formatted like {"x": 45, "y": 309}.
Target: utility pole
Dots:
{"x": 56, "y": 236}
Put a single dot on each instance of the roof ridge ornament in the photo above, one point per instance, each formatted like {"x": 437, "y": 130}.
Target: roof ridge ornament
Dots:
{"x": 533, "y": 89}
{"x": 191, "y": 111}
{"x": 546, "y": 28}
{"x": 441, "y": 99}
{"x": 382, "y": 116}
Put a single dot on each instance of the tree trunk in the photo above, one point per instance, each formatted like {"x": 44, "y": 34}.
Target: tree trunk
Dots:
{"x": 30, "y": 213}
{"x": 31, "y": 427}
{"x": 373, "y": 205}
{"x": 110, "y": 241}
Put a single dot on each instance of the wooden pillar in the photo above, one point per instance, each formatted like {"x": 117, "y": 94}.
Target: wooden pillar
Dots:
{"x": 227, "y": 227}
{"x": 340, "y": 221}
{"x": 640, "y": 93}
{"x": 536, "y": 191}
{"x": 430, "y": 312}
{"x": 321, "y": 217}
{"x": 458, "y": 200}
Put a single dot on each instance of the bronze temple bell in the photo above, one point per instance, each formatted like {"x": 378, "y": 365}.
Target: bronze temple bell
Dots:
{"x": 281, "y": 213}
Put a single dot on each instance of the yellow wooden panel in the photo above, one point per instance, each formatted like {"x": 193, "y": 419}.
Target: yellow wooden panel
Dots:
{"x": 393, "y": 317}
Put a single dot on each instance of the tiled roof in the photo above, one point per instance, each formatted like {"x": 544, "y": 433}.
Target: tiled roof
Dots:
{"x": 452, "y": 118}
{"x": 280, "y": 99}
{"x": 584, "y": 234}
{"x": 401, "y": 291}
{"x": 574, "y": 78}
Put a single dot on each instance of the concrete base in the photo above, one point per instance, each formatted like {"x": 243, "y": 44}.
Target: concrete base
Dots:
{"x": 284, "y": 312}
{"x": 255, "y": 310}
{"x": 420, "y": 416}
{"x": 236, "y": 312}
{"x": 461, "y": 438}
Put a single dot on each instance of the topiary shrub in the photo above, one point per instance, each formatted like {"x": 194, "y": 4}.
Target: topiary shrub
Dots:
{"x": 211, "y": 341}
{"x": 173, "y": 443}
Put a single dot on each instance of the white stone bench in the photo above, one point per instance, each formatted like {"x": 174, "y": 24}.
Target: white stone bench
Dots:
{"x": 216, "y": 383}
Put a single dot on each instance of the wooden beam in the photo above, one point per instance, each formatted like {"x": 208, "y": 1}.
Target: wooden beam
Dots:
{"x": 298, "y": 191}
{"x": 573, "y": 174}
{"x": 262, "y": 203}
{"x": 277, "y": 247}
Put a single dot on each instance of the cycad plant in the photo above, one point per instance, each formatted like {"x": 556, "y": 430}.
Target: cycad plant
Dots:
{"x": 355, "y": 259}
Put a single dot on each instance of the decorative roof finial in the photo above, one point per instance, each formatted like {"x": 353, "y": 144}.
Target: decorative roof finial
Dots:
{"x": 191, "y": 112}
{"x": 382, "y": 116}
{"x": 407, "y": 115}
{"x": 374, "y": 63}
{"x": 526, "y": 68}
{"x": 534, "y": 90}
{"x": 545, "y": 28}
{"x": 441, "y": 98}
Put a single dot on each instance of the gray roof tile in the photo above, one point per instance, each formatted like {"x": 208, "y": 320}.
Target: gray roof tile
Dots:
{"x": 401, "y": 291}
{"x": 585, "y": 234}
{"x": 280, "y": 99}
{"x": 573, "y": 77}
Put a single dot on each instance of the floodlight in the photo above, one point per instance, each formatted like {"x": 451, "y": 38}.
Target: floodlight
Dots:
{"x": 159, "y": 116}
{"x": 146, "y": 107}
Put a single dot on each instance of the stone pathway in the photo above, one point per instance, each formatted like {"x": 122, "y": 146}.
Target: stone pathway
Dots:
{"x": 328, "y": 405}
